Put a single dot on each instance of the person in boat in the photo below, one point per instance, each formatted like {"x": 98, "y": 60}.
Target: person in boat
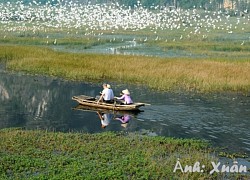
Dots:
{"x": 126, "y": 98}
{"x": 105, "y": 118}
{"x": 107, "y": 94}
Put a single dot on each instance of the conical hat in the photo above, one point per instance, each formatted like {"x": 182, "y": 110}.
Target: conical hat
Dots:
{"x": 125, "y": 91}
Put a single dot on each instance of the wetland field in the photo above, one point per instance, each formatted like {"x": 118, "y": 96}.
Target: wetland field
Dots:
{"x": 192, "y": 66}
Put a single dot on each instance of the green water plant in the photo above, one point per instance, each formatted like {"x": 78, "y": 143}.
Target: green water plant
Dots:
{"x": 37, "y": 154}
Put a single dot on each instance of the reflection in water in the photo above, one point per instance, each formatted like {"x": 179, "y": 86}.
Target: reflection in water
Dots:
{"x": 108, "y": 117}
{"x": 105, "y": 118}
{"x": 4, "y": 93}
{"x": 41, "y": 102}
{"x": 124, "y": 119}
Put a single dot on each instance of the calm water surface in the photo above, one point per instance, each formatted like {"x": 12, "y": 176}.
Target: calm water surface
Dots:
{"x": 45, "y": 103}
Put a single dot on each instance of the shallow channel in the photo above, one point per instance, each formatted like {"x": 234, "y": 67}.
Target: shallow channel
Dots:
{"x": 37, "y": 102}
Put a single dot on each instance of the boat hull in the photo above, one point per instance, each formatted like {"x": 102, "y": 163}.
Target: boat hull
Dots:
{"x": 92, "y": 102}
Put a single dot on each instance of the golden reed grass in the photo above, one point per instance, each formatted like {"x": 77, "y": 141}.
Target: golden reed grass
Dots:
{"x": 198, "y": 74}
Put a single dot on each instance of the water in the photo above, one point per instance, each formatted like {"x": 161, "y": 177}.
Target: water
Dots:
{"x": 36, "y": 102}
{"x": 129, "y": 47}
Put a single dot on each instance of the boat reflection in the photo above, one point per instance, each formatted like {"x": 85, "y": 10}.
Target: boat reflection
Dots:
{"x": 105, "y": 118}
{"x": 94, "y": 109}
{"x": 108, "y": 116}
{"x": 124, "y": 119}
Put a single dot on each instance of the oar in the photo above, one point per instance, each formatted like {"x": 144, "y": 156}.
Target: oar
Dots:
{"x": 147, "y": 104}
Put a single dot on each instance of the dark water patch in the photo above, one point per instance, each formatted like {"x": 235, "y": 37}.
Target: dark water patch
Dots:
{"x": 45, "y": 103}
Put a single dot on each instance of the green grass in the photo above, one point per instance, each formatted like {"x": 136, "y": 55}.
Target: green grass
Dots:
{"x": 40, "y": 40}
{"x": 167, "y": 74}
{"x": 43, "y": 155}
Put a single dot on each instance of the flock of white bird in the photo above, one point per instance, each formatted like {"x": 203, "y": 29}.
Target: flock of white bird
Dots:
{"x": 91, "y": 18}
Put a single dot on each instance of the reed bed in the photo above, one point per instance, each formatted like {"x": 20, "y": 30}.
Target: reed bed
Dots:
{"x": 42, "y": 40}
{"x": 56, "y": 155}
{"x": 200, "y": 74}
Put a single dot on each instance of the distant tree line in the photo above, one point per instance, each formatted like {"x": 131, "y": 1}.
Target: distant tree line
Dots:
{"x": 238, "y": 5}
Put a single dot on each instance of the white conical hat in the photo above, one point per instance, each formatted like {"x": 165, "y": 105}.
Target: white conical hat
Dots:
{"x": 125, "y": 91}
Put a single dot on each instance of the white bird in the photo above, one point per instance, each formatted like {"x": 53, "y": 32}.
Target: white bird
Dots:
{"x": 93, "y": 19}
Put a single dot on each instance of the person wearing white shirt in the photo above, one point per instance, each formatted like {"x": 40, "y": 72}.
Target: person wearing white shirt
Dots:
{"x": 107, "y": 95}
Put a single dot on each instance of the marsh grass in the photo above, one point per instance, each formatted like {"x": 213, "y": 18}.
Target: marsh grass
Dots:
{"x": 27, "y": 154}
{"x": 37, "y": 40}
{"x": 198, "y": 74}
{"x": 210, "y": 47}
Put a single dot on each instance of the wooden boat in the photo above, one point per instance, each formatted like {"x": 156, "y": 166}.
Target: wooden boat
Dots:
{"x": 92, "y": 102}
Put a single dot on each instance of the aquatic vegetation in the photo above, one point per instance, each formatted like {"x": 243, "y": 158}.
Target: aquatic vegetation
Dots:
{"x": 233, "y": 155}
{"x": 42, "y": 154}
{"x": 198, "y": 74}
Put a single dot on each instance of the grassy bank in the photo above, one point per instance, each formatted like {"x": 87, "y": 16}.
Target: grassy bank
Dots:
{"x": 43, "y": 155}
{"x": 158, "y": 73}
